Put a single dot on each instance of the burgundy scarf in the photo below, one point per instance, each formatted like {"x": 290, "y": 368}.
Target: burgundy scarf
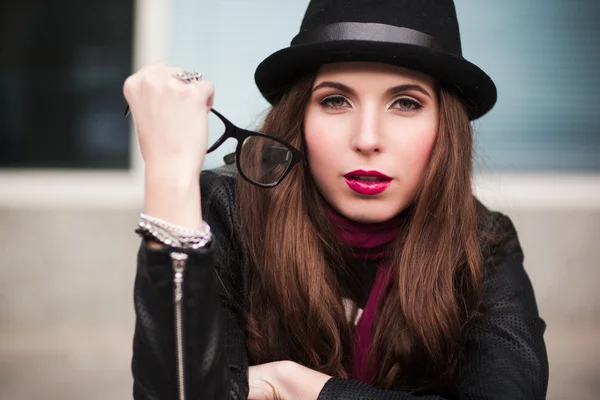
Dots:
{"x": 368, "y": 242}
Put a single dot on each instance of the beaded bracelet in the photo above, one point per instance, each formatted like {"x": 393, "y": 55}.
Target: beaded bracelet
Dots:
{"x": 173, "y": 235}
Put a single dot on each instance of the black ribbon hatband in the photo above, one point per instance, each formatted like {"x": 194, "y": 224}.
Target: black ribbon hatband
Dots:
{"x": 370, "y": 31}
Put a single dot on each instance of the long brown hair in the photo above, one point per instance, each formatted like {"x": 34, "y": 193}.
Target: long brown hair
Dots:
{"x": 294, "y": 305}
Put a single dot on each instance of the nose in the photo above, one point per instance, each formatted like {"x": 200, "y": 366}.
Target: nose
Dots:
{"x": 366, "y": 137}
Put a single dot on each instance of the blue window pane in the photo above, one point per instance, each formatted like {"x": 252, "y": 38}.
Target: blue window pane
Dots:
{"x": 544, "y": 56}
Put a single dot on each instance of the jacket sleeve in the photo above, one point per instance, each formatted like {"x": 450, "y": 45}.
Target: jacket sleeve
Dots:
{"x": 215, "y": 359}
{"x": 505, "y": 354}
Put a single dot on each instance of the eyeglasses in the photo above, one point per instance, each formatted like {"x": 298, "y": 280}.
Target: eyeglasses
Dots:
{"x": 261, "y": 159}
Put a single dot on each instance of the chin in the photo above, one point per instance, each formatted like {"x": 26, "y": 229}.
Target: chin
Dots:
{"x": 369, "y": 213}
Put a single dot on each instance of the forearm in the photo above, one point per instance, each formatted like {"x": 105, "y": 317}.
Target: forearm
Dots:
{"x": 298, "y": 382}
{"x": 295, "y": 381}
{"x": 155, "y": 355}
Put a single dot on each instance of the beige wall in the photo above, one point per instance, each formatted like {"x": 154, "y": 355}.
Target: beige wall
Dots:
{"x": 66, "y": 311}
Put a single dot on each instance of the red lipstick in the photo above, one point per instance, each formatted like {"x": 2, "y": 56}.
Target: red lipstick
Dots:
{"x": 367, "y": 182}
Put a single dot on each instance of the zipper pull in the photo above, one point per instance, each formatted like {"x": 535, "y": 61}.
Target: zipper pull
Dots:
{"x": 179, "y": 261}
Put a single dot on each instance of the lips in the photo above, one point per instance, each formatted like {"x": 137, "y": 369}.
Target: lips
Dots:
{"x": 367, "y": 182}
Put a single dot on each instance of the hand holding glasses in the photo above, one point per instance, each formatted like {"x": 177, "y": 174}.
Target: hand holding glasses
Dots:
{"x": 261, "y": 159}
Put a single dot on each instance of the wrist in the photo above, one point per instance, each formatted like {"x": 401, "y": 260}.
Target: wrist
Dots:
{"x": 173, "y": 197}
{"x": 299, "y": 382}
{"x": 171, "y": 174}
{"x": 174, "y": 182}
{"x": 282, "y": 378}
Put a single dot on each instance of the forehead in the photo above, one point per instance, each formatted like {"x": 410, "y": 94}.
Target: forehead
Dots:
{"x": 368, "y": 73}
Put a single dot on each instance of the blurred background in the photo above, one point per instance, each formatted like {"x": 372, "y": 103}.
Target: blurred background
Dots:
{"x": 71, "y": 175}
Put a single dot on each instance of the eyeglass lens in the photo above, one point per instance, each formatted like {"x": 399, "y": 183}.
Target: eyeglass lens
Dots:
{"x": 261, "y": 159}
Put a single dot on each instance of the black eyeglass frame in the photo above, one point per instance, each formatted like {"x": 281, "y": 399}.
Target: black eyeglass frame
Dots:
{"x": 232, "y": 131}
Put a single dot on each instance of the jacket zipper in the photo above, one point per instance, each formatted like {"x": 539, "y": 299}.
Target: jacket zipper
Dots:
{"x": 179, "y": 260}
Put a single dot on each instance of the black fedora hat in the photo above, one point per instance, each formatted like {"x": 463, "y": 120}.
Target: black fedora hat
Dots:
{"x": 418, "y": 34}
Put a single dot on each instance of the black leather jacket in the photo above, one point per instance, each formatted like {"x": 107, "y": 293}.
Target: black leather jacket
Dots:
{"x": 505, "y": 351}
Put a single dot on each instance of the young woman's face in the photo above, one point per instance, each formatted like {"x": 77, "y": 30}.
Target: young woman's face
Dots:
{"x": 369, "y": 129}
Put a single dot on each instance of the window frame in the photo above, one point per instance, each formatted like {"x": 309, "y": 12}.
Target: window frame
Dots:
{"x": 538, "y": 190}
{"x": 86, "y": 188}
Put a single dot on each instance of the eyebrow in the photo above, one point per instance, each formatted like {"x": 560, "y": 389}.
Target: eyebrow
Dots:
{"x": 405, "y": 88}
{"x": 390, "y": 92}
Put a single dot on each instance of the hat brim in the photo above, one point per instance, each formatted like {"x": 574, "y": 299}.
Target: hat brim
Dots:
{"x": 278, "y": 72}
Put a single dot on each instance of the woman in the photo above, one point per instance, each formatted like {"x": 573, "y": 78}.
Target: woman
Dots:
{"x": 352, "y": 259}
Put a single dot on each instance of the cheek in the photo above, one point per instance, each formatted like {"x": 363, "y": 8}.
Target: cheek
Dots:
{"x": 323, "y": 148}
{"x": 422, "y": 147}
{"x": 415, "y": 154}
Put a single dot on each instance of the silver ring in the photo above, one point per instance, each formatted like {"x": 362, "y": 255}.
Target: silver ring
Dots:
{"x": 188, "y": 77}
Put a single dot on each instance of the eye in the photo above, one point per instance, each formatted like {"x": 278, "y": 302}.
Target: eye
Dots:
{"x": 406, "y": 104}
{"x": 335, "y": 102}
